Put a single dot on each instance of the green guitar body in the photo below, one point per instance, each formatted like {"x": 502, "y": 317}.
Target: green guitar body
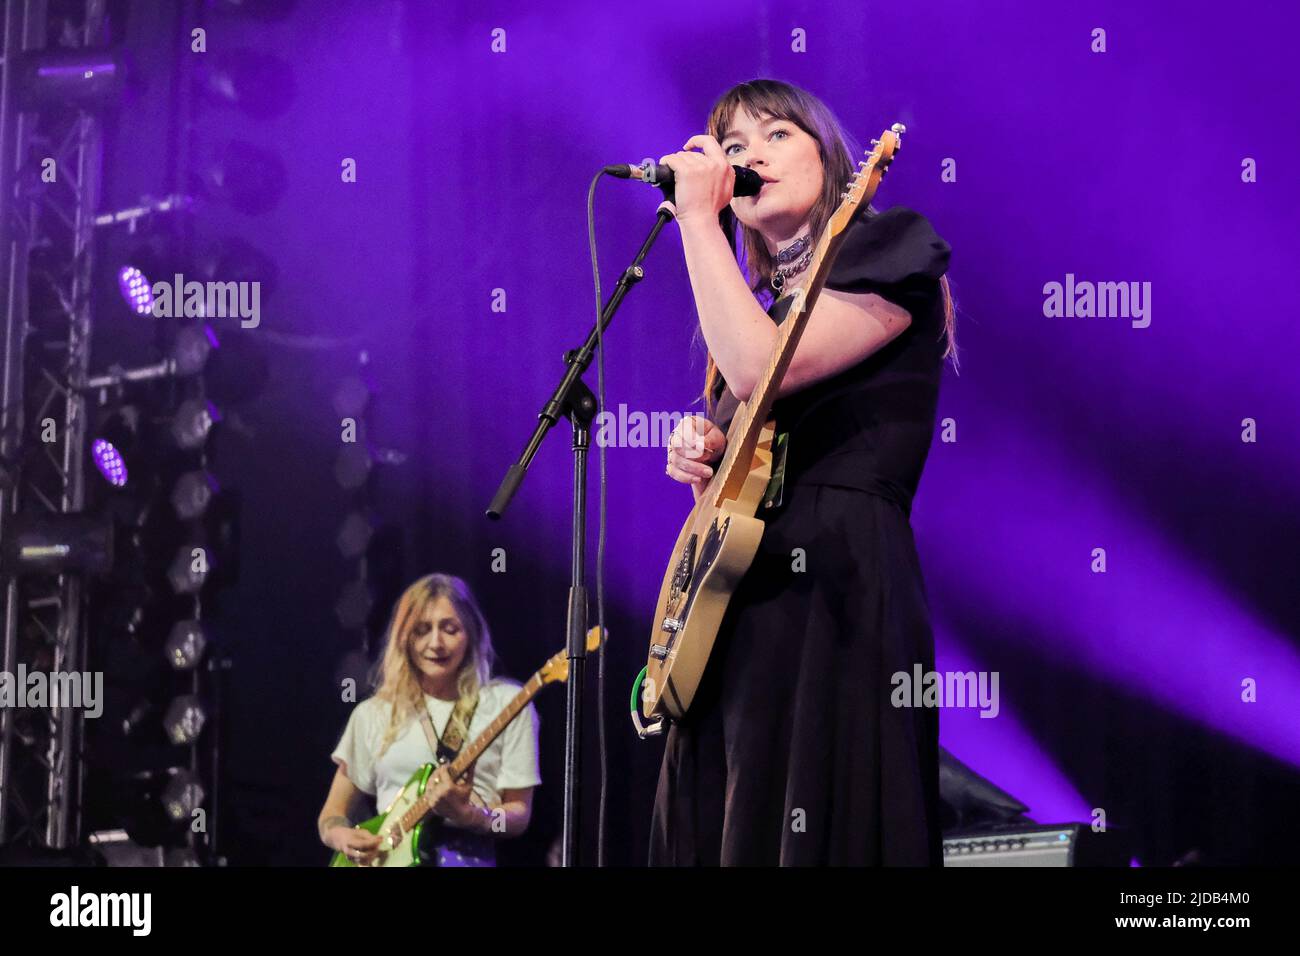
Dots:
{"x": 398, "y": 847}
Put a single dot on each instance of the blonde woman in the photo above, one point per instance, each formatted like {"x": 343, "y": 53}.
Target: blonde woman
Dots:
{"x": 436, "y": 668}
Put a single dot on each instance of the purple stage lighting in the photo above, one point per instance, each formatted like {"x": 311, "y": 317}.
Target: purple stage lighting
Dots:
{"x": 1002, "y": 749}
{"x": 109, "y": 461}
{"x": 191, "y": 347}
{"x": 90, "y": 79}
{"x": 192, "y": 423}
{"x": 135, "y": 290}
{"x": 1155, "y": 624}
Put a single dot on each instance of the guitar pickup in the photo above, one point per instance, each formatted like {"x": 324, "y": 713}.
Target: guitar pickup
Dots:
{"x": 685, "y": 570}
{"x": 672, "y": 625}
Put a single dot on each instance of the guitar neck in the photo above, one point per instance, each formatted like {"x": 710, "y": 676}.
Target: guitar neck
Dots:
{"x": 752, "y": 414}
{"x": 460, "y": 766}
{"x": 468, "y": 755}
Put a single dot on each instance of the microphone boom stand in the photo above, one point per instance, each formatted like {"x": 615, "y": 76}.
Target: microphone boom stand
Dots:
{"x": 573, "y": 400}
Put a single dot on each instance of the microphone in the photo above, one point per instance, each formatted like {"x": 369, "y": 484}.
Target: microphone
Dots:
{"x": 748, "y": 182}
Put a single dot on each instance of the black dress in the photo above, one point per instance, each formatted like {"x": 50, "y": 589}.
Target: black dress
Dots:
{"x": 791, "y": 753}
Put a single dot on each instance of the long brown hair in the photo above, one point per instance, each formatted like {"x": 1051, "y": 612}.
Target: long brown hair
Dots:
{"x": 835, "y": 147}
{"x": 395, "y": 679}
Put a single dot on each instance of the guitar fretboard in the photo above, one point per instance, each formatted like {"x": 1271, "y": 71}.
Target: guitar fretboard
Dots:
{"x": 465, "y": 759}
{"x": 753, "y": 413}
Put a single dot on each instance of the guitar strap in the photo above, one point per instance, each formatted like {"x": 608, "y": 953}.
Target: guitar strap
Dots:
{"x": 443, "y": 847}
{"x": 446, "y": 746}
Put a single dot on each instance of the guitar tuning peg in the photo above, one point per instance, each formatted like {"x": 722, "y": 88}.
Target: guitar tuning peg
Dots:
{"x": 875, "y": 142}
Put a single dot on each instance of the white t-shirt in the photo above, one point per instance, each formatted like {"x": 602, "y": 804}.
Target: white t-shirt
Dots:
{"x": 509, "y": 763}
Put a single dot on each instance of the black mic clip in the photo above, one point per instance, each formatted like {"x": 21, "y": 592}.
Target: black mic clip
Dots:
{"x": 648, "y": 171}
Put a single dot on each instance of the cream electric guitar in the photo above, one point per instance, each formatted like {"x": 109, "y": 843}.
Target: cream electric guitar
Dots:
{"x": 720, "y": 538}
{"x": 399, "y": 826}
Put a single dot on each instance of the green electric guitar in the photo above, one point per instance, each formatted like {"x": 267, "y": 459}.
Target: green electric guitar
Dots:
{"x": 399, "y": 826}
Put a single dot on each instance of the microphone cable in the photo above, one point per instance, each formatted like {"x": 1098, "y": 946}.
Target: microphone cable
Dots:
{"x": 600, "y": 543}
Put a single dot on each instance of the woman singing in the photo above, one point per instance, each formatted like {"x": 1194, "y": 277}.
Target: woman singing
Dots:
{"x": 436, "y": 669}
{"x": 791, "y": 752}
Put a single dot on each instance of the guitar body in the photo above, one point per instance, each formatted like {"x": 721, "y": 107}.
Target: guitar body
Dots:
{"x": 715, "y": 548}
{"x": 399, "y": 848}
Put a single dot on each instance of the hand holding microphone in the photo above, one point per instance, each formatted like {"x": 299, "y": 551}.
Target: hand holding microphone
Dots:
{"x": 698, "y": 183}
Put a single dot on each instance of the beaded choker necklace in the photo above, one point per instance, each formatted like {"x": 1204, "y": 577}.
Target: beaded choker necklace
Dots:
{"x": 804, "y": 245}
{"x": 794, "y": 250}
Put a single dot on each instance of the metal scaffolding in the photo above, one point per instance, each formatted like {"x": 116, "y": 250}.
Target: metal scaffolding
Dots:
{"x": 46, "y": 234}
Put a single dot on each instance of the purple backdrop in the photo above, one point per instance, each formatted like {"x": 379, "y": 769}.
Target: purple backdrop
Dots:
{"x": 458, "y": 259}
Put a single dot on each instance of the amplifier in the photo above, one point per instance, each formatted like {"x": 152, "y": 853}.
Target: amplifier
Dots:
{"x": 1020, "y": 844}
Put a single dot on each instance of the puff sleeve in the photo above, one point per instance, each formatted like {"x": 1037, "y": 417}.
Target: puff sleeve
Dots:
{"x": 895, "y": 254}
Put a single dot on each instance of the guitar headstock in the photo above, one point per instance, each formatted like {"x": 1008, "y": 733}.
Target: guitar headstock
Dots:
{"x": 557, "y": 668}
{"x": 867, "y": 179}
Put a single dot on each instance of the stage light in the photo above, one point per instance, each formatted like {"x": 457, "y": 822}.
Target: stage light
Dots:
{"x": 118, "y": 849}
{"x": 354, "y": 535}
{"x": 135, "y": 290}
{"x": 185, "y": 645}
{"x": 192, "y": 423}
{"x": 355, "y": 666}
{"x": 52, "y": 543}
{"x": 109, "y": 461}
{"x": 193, "y": 493}
{"x": 352, "y": 466}
{"x": 80, "y": 78}
{"x": 191, "y": 347}
{"x": 189, "y": 571}
{"x": 184, "y": 720}
{"x": 256, "y": 83}
{"x": 351, "y": 396}
{"x": 116, "y": 434}
{"x": 354, "y": 604}
{"x": 182, "y": 795}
